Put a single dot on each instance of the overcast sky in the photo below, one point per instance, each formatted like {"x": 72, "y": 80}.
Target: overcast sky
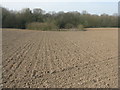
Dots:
{"x": 91, "y": 6}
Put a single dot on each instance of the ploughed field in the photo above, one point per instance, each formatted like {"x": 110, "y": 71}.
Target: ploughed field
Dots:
{"x": 68, "y": 59}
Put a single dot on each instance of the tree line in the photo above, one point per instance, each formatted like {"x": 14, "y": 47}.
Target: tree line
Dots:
{"x": 27, "y": 18}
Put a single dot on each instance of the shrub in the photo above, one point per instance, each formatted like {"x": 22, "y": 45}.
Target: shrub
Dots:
{"x": 69, "y": 25}
{"x": 81, "y": 27}
{"x": 41, "y": 26}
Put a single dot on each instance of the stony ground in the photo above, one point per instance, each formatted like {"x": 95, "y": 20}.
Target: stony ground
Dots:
{"x": 77, "y": 59}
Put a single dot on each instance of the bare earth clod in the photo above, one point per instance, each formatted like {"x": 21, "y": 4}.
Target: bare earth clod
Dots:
{"x": 76, "y": 59}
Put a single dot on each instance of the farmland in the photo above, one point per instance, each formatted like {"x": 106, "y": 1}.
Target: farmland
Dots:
{"x": 44, "y": 59}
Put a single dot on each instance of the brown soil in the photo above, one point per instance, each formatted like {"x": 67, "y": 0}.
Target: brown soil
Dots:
{"x": 71, "y": 59}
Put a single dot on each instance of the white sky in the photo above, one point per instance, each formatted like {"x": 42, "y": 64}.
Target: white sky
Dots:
{"x": 92, "y": 6}
{"x": 59, "y": 0}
